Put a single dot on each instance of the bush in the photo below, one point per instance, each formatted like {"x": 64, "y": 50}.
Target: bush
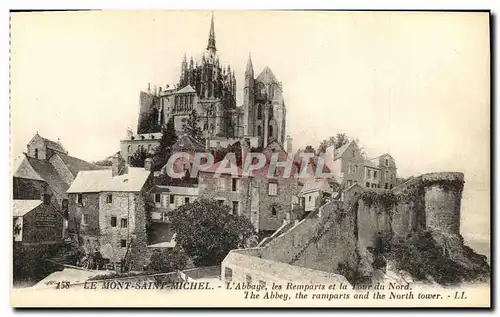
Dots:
{"x": 168, "y": 260}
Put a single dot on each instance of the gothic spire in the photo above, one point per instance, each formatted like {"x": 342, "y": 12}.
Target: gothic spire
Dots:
{"x": 211, "y": 36}
{"x": 249, "y": 70}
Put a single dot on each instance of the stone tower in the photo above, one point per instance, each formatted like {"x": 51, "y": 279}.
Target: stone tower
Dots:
{"x": 248, "y": 101}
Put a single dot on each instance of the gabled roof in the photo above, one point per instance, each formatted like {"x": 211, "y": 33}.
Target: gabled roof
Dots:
{"x": 75, "y": 164}
{"x": 103, "y": 181}
{"x": 22, "y": 207}
{"x": 187, "y": 142}
{"x": 56, "y": 146}
{"x": 23, "y": 169}
{"x": 49, "y": 174}
{"x": 342, "y": 149}
{"x": 267, "y": 76}
{"x": 185, "y": 90}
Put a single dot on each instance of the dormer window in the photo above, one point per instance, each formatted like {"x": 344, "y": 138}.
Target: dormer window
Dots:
{"x": 36, "y": 153}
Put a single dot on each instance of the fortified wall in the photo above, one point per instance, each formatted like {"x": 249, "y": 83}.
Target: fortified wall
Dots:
{"x": 341, "y": 236}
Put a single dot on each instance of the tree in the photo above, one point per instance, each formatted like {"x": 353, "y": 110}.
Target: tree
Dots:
{"x": 168, "y": 260}
{"x": 138, "y": 158}
{"x": 309, "y": 149}
{"x": 162, "y": 151}
{"x": 339, "y": 140}
{"x": 192, "y": 128}
{"x": 207, "y": 231}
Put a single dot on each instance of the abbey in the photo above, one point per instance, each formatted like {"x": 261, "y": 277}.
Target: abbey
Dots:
{"x": 209, "y": 88}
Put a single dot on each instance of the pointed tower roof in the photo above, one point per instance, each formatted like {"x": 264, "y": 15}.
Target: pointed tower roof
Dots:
{"x": 249, "y": 70}
{"x": 267, "y": 76}
{"x": 211, "y": 36}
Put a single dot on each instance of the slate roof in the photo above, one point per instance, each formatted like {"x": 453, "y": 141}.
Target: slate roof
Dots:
{"x": 188, "y": 143}
{"x": 267, "y": 76}
{"x": 22, "y": 207}
{"x": 103, "y": 181}
{"x": 185, "y": 90}
{"x": 23, "y": 169}
{"x": 75, "y": 164}
{"x": 49, "y": 174}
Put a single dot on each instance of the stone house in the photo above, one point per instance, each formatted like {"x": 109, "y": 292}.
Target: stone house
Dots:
{"x": 36, "y": 222}
{"x": 107, "y": 210}
{"x": 133, "y": 142}
{"x": 267, "y": 200}
{"x": 350, "y": 167}
{"x": 45, "y": 172}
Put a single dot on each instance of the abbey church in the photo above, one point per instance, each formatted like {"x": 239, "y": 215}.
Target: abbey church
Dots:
{"x": 209, "y": 87}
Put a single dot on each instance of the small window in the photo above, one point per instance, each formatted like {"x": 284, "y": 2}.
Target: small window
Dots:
{"x": 367, "y": 184}
{"x": 46, "y": 199}
{"x": 386, "y": 186}
{"x": 172, "y": 199}
{"x": 124, "y": 223}
{"x": 391, "y": 186}
{"x": 113, "y": 221}
{"x": 65, "y": 204}
{"x": 220, "y": 201}
{"x": 310, "y": 197}
{"x": 123, "y": 243}
{"x": 374, "y": 174}
{"x": 353, "y": 153}
{"x": 273, "y": 210}
{"x": 186, "y": 200}
{"x": 235, "y": 184}
{"x": 228, "y": 276}
{"x": 273, "y": 189}
{"x": 157, "y": 198}
{"x": 36, "y": 153}
{"x": 79, "y": 198}
{"x": 368, "y": 173}
{"x": 259, "y": 130}
{"x": 235, "y": 208}
{"x": 85, "y": 219}
{"x": 221, "y": 183}
{"x": 109, "y": 199}
{"x": 129, "y": 148}
{"x": 386, "y": 162}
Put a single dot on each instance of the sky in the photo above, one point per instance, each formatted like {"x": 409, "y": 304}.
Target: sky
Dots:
{"x": 415, "y": 85}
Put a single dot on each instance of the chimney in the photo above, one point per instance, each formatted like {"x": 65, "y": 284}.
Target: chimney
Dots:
{"x": 289, "y": 144}
{"x": 148, "y": 163}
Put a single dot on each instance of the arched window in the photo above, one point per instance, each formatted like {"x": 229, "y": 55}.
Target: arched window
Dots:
{"x": 270, "y": 130}
{"x": 259, "y": 112}
{"x": 259, "y": 131}
{"x": 36, "y": 153}
{"x": 129, "y": 149}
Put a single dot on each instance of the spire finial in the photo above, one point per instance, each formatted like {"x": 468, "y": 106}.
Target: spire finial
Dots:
{"x": 249, "y": 70}
{"x": 211, "y": 36}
